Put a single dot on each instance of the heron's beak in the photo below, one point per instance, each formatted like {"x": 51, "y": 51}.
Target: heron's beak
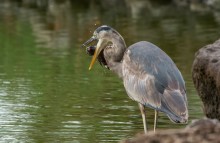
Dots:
{"x": 89, "y": 41}
{"x": 100, "y": 45}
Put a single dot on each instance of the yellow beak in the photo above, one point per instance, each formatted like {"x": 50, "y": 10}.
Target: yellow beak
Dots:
{"x": 100, "y": 45}
{"x": 93, "y": 58}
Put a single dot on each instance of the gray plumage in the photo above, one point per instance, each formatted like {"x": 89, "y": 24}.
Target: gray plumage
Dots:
{"x": 149, "y": 75}
{"x": 152, "y": 79}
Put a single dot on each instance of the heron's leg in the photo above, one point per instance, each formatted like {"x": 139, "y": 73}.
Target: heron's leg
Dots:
{"x": 155, "y": 119}
{"x": 143, "y": 117}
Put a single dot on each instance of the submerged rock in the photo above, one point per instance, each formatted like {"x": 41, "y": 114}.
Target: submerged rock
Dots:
{"x": 206, "y": 78}
{"x": 199, "y": 131}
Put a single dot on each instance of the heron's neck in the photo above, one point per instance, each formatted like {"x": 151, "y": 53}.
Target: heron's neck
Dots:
{"x": 114, "y": 54}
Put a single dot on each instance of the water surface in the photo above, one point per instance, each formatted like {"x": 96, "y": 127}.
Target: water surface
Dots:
{"x": 47, "y": 93}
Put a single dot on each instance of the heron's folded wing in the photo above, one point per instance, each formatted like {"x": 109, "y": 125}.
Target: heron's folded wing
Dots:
{"x": 140, "y": 87}
{"x": 148, "y": 72}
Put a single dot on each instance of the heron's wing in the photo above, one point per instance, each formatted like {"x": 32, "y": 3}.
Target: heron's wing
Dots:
{"x": 150, "y": 78}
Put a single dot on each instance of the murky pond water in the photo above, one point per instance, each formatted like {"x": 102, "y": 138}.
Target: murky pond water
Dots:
{"x": 47, "y": 93}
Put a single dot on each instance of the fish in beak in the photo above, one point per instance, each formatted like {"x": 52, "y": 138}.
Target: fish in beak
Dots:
{"x": 100, "y": 45}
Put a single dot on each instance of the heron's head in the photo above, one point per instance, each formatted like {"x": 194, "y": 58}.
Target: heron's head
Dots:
{"x": 102, "y": 35}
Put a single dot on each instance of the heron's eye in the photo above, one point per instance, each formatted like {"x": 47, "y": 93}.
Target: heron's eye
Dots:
{"x": 94, "y": 35}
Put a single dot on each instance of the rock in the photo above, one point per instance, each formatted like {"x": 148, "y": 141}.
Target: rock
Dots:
{"x": 203, "y": 130}
{"x": 206, "y": 78}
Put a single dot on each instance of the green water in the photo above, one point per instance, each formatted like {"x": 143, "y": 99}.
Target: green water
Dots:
{"x": 47, "y": 93}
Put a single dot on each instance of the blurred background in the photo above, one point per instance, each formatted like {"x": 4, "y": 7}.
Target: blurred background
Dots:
{"x": 47, "y": 93}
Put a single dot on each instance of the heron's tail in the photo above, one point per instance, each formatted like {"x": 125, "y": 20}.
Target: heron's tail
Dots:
{"x": 174, "y": 104}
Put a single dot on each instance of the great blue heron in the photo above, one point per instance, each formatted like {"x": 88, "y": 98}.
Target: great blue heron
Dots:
{"x": 149, "y": 75}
